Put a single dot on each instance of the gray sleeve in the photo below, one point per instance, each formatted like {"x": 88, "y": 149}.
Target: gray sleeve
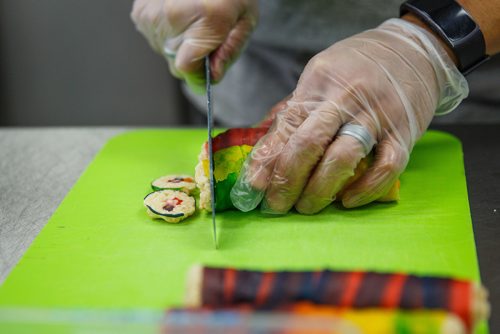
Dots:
{"x": 290, "y": 32}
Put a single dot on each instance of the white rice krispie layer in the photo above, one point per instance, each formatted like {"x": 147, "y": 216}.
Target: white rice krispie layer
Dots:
{"x": 202, "y": 181}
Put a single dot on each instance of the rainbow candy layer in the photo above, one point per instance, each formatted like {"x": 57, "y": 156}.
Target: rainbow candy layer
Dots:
{"x": 310, "y": 319}
{"x": 231, "y": 149}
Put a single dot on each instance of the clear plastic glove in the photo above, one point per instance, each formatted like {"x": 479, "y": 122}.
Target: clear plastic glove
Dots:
{"x": 391, "y": 80}
{"x": 185, "y": 31}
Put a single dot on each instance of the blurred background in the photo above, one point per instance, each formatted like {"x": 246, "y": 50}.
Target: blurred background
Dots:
{"x": 83, "y": 63}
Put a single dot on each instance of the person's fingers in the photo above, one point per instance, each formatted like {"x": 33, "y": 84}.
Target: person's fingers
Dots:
{"x": 221, "y": 42}
{"x": 143, "y": 14}
{"x": 229, "y": 50}
{"x": 172, "y": 68}
{"x": 185, "y": 32}
{"x": 252, "y": 183}
{"x": 334, "y": 170}
{"x": 137, "y": 14}
{"x": 299, "y": 157}
{"x": 391, "y": 158}
{"x": 341, "y": 159}
{"x": 267, "y": 150}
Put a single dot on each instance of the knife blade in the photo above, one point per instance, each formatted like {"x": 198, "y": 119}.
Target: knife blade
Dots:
{"x": 210, "y": 123}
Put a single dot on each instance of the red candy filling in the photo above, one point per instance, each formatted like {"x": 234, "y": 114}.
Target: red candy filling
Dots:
{"x": 181, "y": 179}
{"x": 171, "y": 203}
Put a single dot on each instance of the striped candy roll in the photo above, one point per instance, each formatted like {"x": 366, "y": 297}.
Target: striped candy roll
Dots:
{"x": 218, "y": 288}
{"x": 311, "y": 319}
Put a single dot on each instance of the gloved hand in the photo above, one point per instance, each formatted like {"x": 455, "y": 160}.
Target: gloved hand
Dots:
{"x": 390, "y": 80}
{"x": 185, "y": 31}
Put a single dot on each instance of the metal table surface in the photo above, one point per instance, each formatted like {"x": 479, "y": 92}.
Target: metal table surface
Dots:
{"x": 38, "y": 166}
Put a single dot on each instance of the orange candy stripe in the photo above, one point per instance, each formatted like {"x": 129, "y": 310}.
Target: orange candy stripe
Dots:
{"x": 265, "y": 288}
{"x": 229, "y": 285}
{"x": 461, "y": 300}
{"x": 353, "y": 283}
{"x": 393, "y": 290}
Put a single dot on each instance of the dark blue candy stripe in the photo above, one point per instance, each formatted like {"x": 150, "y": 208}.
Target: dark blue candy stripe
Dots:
{"x": 435, "y": 292}
{"x": 293, "y": 286}
{"x": 335, "y": 287}
{"x": 307, "y": 289}
{"x": 247, "y": 286}
{"x": 320, "y": 296}
{"x": 412, "y": 296}
{"x": 213, "y": 287}
{"x": 371, "y": 290}
{"x": 275, "y": 298}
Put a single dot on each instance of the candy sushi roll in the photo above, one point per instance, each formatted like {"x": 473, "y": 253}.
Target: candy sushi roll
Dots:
{"x": 228, "y": 287}
{"x": 184, "y": 183}
{"x": 169, "y": 205}
{"x": 230, "y": 150}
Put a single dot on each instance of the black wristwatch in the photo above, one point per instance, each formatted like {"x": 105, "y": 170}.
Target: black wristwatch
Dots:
{"x": 455, "y": 26}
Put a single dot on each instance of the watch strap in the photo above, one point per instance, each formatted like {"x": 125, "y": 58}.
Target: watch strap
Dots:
{"x": 455, "y": 26}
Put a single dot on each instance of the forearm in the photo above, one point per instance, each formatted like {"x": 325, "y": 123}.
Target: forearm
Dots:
{"x": 486, "y": 13}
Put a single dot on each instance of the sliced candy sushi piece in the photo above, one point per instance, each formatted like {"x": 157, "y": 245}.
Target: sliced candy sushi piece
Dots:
{"x": 184, "y": 183}
{"x": 169, "y": 205}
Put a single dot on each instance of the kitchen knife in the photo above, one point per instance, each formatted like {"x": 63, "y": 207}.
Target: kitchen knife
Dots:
{"x": 210, "y": 123}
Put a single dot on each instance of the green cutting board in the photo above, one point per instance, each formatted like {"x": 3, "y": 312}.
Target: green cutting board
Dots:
{"x": 101, "y": 250}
